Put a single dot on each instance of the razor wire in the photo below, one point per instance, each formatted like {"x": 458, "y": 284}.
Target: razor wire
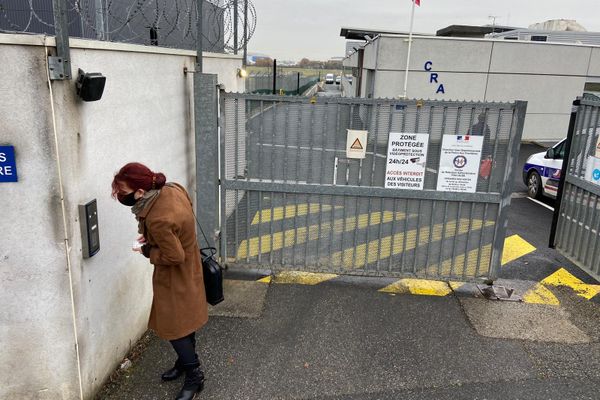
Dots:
{"x": 170, "y": 23}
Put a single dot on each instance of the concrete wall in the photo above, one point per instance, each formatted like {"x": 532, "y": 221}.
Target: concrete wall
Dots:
{"x": 146, "y": 115}
{"x": 549, "y": 76}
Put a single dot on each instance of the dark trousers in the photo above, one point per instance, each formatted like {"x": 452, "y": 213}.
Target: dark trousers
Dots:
{"x": 185, "y": 348}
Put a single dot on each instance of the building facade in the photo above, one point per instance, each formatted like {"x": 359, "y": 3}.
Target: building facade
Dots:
{"x": 549, "y": 76}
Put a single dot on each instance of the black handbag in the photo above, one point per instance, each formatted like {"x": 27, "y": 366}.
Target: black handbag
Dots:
{"x": 213, "y": 276}
{"x": 212, "y": 271}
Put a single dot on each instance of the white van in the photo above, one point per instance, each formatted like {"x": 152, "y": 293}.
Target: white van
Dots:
{"x": 329, "y": 78}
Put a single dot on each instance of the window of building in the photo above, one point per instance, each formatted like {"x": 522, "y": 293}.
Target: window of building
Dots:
{"x": 539, "y": 38}
{"x": 511, "y": 38}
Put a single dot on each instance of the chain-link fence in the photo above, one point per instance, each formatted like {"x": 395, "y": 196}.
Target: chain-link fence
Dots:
{"x": 167, "y": 23}
{"x": 291, "y": 83}
{"x": 293, "y": 199}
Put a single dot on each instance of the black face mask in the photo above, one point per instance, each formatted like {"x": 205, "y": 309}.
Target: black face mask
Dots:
{"x": 127, "y": 199}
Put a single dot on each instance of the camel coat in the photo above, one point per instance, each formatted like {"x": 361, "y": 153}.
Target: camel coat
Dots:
{"x": 179, "y": 304}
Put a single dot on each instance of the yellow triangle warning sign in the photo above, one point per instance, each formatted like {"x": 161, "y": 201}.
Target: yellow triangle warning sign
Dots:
{"x": 356, "y": 145}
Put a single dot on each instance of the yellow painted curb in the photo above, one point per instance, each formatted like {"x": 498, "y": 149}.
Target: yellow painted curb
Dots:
{"x": 422, "y": 287}
{"x": 515, "y": 247}
{"x": 540, "y": 294}
{"x": 562, "y": 277}
{"x": 302, "y": 278}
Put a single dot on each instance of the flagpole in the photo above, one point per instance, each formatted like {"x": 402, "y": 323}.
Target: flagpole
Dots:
{"x": 410, "y": 32}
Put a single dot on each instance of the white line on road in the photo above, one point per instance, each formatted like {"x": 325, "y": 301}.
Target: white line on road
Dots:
{"x": 541, "y": 204}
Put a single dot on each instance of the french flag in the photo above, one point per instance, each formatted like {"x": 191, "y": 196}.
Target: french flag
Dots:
{"x": 463, "y": 138}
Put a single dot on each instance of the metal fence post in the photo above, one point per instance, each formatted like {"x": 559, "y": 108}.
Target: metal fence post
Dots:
{"x": 60, "y": 65}
{"x": 207, "y": 150}
{"x": 563, "y": 175}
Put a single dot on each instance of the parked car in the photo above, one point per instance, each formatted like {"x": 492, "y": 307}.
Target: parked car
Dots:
{"x": 329, "y": 78}
{"x": 541, "y": 172}
{"x": 338, "y": 80}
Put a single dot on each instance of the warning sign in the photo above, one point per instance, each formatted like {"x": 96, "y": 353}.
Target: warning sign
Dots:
{"x": 356, "y": 146}
{"x": 406, "y": 160}
{"x": 459, "y": 163}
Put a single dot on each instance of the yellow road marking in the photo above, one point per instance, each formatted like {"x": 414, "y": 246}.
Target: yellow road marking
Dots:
{"x": 290, "y": 211}
{"x": 347, "y": 257}
{"x": 470, "y": 269}
{"x": 302, "y": 278}
{"x": 292, "y": 237}
{"x": 562, "y": 277}
{"x": 540, "y": 294}
{"x": 515, "y": 247}
{"x": 266, "y": 279}
{"x": 421, "y": 287}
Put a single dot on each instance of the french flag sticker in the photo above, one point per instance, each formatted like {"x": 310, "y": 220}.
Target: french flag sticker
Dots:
{"x": 463, "y": 138}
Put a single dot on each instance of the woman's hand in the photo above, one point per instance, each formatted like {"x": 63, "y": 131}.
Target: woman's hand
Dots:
{"x": 138, "y": 244}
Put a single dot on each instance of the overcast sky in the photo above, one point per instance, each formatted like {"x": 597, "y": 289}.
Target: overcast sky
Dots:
{"x": 293, "y": 29}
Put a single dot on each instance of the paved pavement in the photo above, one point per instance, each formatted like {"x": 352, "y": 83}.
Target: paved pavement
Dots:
{"x": 333, "y": 338}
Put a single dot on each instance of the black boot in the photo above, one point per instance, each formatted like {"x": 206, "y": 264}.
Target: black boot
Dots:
{"x": 194, "y": 382}
{"x": 173, "y": 373}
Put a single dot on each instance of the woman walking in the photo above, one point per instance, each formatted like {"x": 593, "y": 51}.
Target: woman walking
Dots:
{"x": 167, "y": 227}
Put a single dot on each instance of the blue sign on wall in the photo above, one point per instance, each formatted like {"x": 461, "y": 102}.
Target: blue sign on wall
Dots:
{"x": 8, "y": 164}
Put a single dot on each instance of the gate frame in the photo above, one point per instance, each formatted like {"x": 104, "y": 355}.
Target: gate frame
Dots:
{"x": 502, "y": 199}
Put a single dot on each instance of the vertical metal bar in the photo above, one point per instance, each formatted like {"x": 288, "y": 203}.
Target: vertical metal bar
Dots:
{"x": 311, "y": 132}
{"x": 369, "y": 202}
{"x": 581, "y": 114}
{"x": 481, "y": 238}
{"x": 236, "y": 237}
{"x": 511, "y": 164}
{"x": 199, "y": 36}
{"x": 584, "y": 134}
{"x": 284, "y": 205}
{"x": 261, "y": 144}
{"x": 393, "y": 238}
{"x": 443, "y": 239}
{"x": 431, "y": 227}
{"x": 356, "y": 199}
{"x": 595, "y": 257}
{"x": 375, "y": 144}
{"x": 455, "y": 239}
{"x": 245, "y": 60}
{"x": 580, "y": 235}
{"x": 592, "y": 236}
{"x": 275, "y": 110}
{"x": 321, "y": 176}
{"x": 260, "y": 217}
{"x": 565, "y": 218}
{"x": 495, "y": 150}
{"x": 235, "y": 26}
{"x": 576, "y": 221}
{"x": 405, "y": 235}
{"x": 61, "y": 29}
{"x": 222, "y": 174}
{"x": 335, "y": 148}
{"x": 465, "y": 262}
{"x": 206, "y": 137}
{"x": 271, "y": 231}
{"x": 417, "y": 239}
{"x": 248, "y": 194}
{"x": 285, "y": 142}
{"x": 379, "y": 238}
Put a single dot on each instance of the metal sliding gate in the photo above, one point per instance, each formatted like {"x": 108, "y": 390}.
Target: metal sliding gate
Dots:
{"x": 290, "y": 199}
{"x": 577, "y": 220}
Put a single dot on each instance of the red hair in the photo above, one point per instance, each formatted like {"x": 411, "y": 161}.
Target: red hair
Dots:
{"x": 138, "y": 176}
